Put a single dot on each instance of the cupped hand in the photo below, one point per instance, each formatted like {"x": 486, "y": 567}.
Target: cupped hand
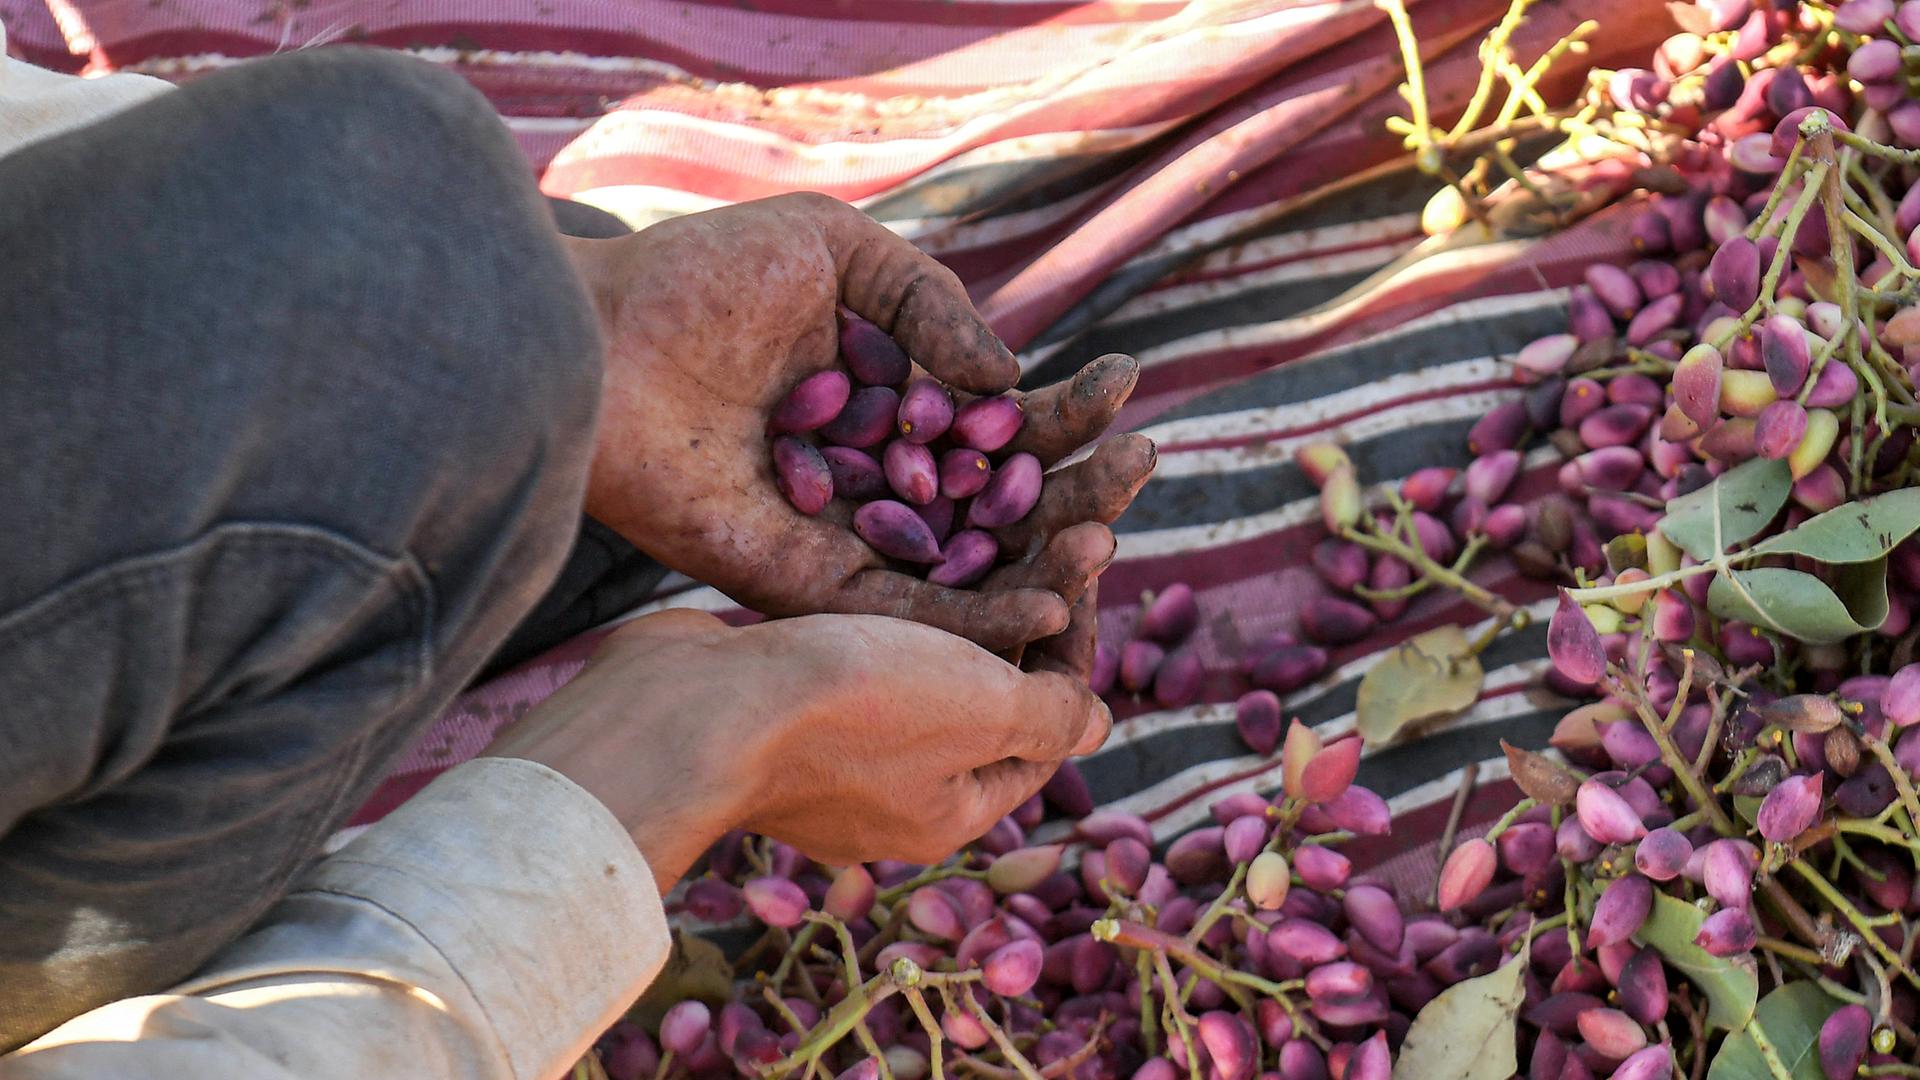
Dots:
{"x": 710, "y": 319}
{"x": 850, "y": 737}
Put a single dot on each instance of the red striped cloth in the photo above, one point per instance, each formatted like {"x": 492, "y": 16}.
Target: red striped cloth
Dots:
{"x": 1124, "y": 176}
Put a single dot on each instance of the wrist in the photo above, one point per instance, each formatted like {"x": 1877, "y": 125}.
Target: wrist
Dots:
{"x": 662, "y": 756}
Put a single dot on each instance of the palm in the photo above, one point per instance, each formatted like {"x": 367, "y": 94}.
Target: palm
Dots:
{"x": 716, "y": 317}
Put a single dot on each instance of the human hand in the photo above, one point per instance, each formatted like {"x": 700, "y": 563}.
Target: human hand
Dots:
{"x": 710, "y": 319}
{"x": 852, "y": 738}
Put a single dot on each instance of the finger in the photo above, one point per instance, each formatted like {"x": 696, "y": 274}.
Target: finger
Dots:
{"x": 992, "y": 620}
{"x": 1007, "y": 783}
{"x": 1097, "y": 489}
{"x": 1068, "y": 415}
{"x": 1070, "y": 652}
{"x": 1064, "y": 567}
{"x": 1052, "y": 716}
{"x": 909, "y": 294}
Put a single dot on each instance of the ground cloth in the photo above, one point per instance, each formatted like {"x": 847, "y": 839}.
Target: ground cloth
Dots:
{"x": 1124, "y": 175}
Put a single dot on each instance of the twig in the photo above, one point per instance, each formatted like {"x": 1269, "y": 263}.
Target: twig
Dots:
{"x": 1461, "y": 795}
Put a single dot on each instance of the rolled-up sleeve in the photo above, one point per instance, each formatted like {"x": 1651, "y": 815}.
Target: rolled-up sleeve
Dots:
{"x": 489, "y": 928}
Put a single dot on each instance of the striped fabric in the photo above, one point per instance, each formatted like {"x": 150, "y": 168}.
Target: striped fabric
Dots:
{"x": 1206, "y": 185}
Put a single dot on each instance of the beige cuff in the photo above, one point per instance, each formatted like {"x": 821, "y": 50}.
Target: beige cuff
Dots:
{"x": 492, "y": 926}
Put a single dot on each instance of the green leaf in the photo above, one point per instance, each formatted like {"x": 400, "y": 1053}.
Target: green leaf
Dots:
{"x": 1790, "y": 1018}
{"x": 1747, "y": 497}
{"x": 1802, "y": 606}
{"x": 1855, "y": 533}
{"x": 1428, "y": 675}
{"x": 1467, "y": 1032}
{"x": 1731, "y": 987}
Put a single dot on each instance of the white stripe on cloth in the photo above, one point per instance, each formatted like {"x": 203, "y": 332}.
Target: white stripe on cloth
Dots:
{"x": 642, "y": 204}
{"x": 1216, "y": 230}
{"x": 1281, "y": 331}
{"x": 1267, "y": 781}
{"x": 1160, "y": 543}
{"x": 1386, "y": 239}
{"x": 1486, "y": 711}
{"x": 1348, "y": 306}
{"x": 1147, "y": 725}
{"x": 1307, "y": 268}
{"x": 1358, "y": 413}
{"x": 939, "y": 236}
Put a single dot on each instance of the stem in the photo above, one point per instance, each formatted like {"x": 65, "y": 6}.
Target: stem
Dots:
{"x": 1060, "y": 1068}
{"x": 1791, "y": 951}
{"x": 1555, "y": 923}
{"x": 1874, "y": 236}
{"x": 1176, "y": 1012}
{"x": 1495, "y": 43}
{"x": 1509, "y": 818}
{"x": 840, "y": 1021}
{"x": 1803, "y": 925}
{"x": 928, "y": 876}
{"x": 1841, "y": 249}
{"x": 1220, "y": 903}
{"x": 1416, "y": 86}
{"x": 1066, "y": 1065}
{"x": 1901, "y": 782}
{"x": 1714, "y": 722}
{"x": 780, "y": 1007}
{"x": 867, "y": 1042}
{"x": 1011, "y": 1052}
{"x": 888, "y": 933}
{"x": 1454, "y": 813}
{"x": 1697, "y": 1024}
{"x": 1880, "y": 833}
{"x": 1853, "y": 915}
{"x": 1133, "y": 935}
{"x": 1491, "y": 602}
{"x": 1868, "y": 146}
{"x": 800, "y": 942}
{"x": 1670, "y": 754}
{"x": 1755, "y": 230}
{"x": 918, "y": 1003}
{"x": 1767, "y": 1052}
{"x": 1149, "y": 1025}
{"x": 1598, "y": 593}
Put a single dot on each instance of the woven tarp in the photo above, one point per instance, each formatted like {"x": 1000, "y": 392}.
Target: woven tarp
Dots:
{"x": 1206, "y": 185}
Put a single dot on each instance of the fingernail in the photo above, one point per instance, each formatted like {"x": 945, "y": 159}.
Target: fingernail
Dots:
{"x": 1063, "y": 617}
{"x": 1153, "y": 456}
{"x": 1099, "y": 724}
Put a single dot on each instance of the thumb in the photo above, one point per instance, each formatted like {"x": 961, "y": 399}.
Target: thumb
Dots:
{"x": 906, "y": 292}
{"x": 1053, "y": 716}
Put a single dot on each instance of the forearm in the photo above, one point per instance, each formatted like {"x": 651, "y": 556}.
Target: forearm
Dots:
{"x": 490, "y": 928}
{"x": 618, "y": 741}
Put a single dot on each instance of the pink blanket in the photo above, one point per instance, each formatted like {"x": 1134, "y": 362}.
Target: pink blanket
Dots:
{"x": 1130, "y": 176}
